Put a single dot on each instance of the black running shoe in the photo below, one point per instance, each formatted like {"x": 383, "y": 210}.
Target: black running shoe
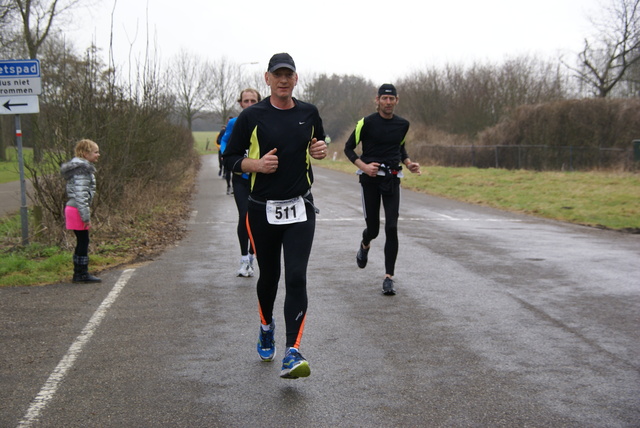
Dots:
{"x": 387, "y": 287}
{"x": 362, "y": 257}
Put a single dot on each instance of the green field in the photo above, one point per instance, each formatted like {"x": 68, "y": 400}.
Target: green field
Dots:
{"x": 9, "y": 169}
{"x": 204, "y": 138}
{"x": 600, "y": 199}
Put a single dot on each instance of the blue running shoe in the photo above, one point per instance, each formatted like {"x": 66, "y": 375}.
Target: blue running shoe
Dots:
{"x": 266, "y": 343}
{"x": 294, "y": 365}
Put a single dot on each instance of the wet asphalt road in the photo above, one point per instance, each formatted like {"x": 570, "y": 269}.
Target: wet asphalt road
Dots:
{"x": 500, "y": 320}
{"x": 11, "y": 197}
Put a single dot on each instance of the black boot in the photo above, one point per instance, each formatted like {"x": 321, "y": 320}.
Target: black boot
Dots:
{"x": 81, "y": 270}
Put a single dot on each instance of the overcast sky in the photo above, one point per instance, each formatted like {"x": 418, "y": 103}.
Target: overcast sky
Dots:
{"x": 379, "y": 40}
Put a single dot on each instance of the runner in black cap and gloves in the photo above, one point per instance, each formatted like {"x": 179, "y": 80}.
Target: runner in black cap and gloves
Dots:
{"x": 280, "y": 135}
{"x": 382, "y": 135}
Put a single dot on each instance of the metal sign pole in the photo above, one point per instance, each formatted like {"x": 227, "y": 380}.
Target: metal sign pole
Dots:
{"x": 23, "y": 189}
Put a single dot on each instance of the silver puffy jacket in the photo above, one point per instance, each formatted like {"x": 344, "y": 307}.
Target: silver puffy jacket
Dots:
{"x": 81, "y": 185}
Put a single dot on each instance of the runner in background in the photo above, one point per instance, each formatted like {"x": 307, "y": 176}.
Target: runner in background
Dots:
{"x": 241, "y": 190}
{"x": 382, "y": 135}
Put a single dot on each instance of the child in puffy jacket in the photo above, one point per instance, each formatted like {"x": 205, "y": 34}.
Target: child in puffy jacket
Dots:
{"x": 81, "y": 186}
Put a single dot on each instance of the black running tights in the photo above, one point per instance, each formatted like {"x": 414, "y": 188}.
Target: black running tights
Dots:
{"x": 371, "y": 197}
{"x": 82, "y": 243}
{"x": 241, "y": 190}
{"x": 294, "y": 241}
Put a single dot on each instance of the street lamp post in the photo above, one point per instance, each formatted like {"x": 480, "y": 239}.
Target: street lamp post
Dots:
{"x": 242, "y": 79}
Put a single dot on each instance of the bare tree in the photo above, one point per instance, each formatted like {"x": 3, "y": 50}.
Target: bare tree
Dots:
{"x": 224, "y": 78}
{"x": 632, "y": 80}
{"x": 605, "y": 60}
{"x": 251, "y": 77}
{"x": 79, "y": 100}
{"x": 8, "y": 30}
{"x": 37, "y": 18}
{"x": 6, "y": 6}
{"x": 341, "y": 100}
{"x": 188, "y": 78}
{"x": 466, "y": 100}
{"x": 9, "y": 47}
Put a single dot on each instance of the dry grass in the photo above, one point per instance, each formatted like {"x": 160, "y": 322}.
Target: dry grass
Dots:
{"x": 154, "y": 219}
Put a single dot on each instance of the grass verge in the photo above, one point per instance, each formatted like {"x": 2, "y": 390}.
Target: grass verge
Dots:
{"x": 205, "y": 142}
{"x": 117, "y": 240}
{"x": 601, "y": 199}
{"x": 9, "y": 170}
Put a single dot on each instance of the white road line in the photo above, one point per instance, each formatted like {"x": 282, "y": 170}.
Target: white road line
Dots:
{"x": 51, "y": 385}
{"x": 192, "y": 218}
{"x": 447, "y": 217}
{"x": 443, "y": 218}
{"x": 361, "y": 219}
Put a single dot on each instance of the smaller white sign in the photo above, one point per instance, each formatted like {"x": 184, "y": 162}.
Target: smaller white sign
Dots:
{"x": 19, "y": 105}
{"x": 20, "y": 86}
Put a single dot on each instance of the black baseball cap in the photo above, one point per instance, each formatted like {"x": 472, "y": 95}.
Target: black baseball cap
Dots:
{"x": 281, "y": 60}
{"x": 387, "y": 89}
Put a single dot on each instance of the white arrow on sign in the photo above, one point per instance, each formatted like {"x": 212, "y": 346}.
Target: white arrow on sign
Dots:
{"x": 19, "y": 105}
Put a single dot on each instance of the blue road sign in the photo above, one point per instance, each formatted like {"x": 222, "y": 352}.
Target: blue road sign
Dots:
{"x": 19, "y": 68}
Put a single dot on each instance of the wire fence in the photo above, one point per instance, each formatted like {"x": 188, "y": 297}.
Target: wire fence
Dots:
{"x": 539, "y": 158}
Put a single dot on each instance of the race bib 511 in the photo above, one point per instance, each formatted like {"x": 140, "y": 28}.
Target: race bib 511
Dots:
{"x": 286, "y": 212}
